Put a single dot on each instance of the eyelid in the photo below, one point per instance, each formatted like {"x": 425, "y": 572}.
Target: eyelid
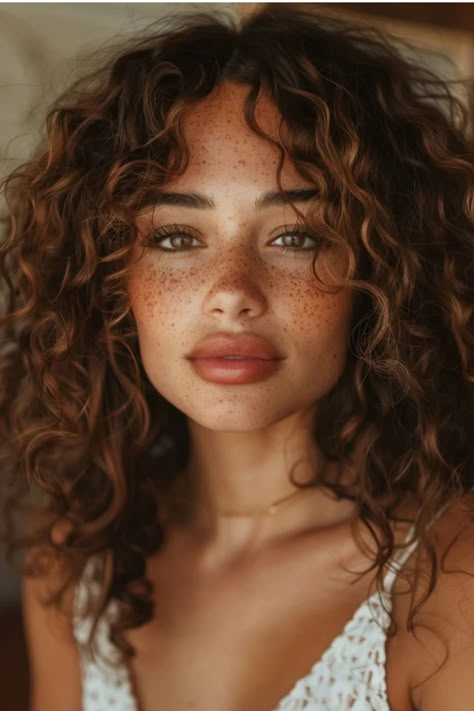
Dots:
{"x": 171, "y": 229}
{"x": 297, "y": 227}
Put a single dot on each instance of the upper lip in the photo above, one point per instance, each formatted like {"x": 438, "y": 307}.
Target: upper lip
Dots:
{"x": 244, "y": 345}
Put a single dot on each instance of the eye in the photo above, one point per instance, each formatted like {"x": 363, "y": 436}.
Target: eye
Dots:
{"x": 172, "y": 233}
{"x": 299, "y": 236}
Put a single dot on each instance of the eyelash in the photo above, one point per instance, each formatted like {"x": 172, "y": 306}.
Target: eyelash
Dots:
{"x": 174, "y": 230}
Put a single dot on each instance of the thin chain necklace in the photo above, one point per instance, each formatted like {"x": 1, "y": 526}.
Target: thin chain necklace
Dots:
{"x": 272, "y": 509}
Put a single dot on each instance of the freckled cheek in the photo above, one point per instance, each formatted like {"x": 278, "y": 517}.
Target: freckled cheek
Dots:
{"x": 321, "y": 322}
{"x": 146, "y": 292}
{"x": 158, "y": 297}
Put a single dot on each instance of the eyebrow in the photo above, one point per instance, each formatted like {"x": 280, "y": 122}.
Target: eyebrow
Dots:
{"x": 199, "y": 201}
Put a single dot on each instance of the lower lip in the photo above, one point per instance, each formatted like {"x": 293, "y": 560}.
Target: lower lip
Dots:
{"x": 247, "y": 370}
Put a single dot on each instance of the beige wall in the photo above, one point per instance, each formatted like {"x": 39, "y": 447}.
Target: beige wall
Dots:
{"x": 39, "y": 48}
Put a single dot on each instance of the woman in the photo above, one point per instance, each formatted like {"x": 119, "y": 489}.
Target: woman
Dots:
{"x": 238, "y": 376}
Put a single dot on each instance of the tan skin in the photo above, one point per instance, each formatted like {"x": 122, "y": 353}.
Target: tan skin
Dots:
{"x": 245, "y": 605}
{"x": 240, "y": 636}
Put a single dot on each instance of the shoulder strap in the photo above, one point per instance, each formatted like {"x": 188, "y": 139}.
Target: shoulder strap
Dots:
{"x": 401, "y": 557}
{"x": 399, "y": 560}
{"x": 86, "y": 586}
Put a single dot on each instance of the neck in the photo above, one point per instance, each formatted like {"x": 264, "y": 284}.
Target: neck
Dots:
{"x": 305, "y": 510}
{"x": 247, "y": 471}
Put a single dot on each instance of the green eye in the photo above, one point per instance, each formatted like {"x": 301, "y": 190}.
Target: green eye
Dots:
{"x": 302, "y": 236}
{"x": 173, "y": 232}
{"x": 169, "y": 232}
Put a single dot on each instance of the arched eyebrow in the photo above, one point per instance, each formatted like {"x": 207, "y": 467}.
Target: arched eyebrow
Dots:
{"x": 199, "y": 201}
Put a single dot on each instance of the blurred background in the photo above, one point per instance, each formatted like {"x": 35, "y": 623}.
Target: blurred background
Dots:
{"x": 43, "y": 46}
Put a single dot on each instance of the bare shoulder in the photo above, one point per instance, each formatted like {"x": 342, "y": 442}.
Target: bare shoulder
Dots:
{"x": 53, "y": 658}
{"x": 439, "y": 650}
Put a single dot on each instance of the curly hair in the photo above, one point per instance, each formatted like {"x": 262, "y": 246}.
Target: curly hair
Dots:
{"x": 88, "y": 446}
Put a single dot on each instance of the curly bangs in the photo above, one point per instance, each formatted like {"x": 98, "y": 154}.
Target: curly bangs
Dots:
{"x": 86, "y": 442}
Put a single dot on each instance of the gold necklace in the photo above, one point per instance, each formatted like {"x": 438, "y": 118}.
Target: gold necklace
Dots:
{"x": 272, "y": 509}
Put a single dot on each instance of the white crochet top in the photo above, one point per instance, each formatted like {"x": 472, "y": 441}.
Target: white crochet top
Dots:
{"x": 350, "y": 676}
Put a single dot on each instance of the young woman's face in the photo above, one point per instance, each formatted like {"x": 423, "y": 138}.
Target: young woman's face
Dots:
{"x": 230, "y": 274}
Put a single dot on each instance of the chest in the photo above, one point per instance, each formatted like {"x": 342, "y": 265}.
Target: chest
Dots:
{"x": 242, "y": 640}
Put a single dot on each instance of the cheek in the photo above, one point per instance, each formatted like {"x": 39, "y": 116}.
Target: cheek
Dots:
{"x": 322, "y": 333}
{"x": 154, "y": 296}
{"x": 154, "y": 307}
{"x": 327, "y": 310}
{"x": 309, "y": 309}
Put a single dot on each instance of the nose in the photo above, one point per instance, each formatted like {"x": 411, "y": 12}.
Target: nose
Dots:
{"x": 235, "y": 292}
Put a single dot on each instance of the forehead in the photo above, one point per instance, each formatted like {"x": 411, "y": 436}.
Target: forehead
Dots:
{"x": 223, "y": 147}
{"x": 227, "y": 103}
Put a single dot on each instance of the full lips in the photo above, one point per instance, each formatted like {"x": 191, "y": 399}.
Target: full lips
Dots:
{"x": 246, "y": 370}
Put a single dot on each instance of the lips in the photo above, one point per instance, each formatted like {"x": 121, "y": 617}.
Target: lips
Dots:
{"x": 243, "y": 346}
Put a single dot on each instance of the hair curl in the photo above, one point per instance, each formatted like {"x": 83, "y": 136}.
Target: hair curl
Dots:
{"x": 87, "y": 444}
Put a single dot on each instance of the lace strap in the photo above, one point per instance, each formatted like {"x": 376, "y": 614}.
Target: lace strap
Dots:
{"x": 401, "y": 557}
{"x": 85, "y": 587}
{"x": 399, "y": 560}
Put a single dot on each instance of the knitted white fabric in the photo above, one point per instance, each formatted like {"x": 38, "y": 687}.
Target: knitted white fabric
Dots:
{"x": 350, "y": 676}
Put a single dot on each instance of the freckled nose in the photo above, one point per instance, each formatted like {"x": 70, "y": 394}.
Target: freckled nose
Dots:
{"x": 236, "y": 292}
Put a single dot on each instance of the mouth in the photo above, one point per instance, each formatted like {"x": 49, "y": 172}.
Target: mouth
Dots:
{"x": 235, "y": 370}
{"x": 235, "y": 347}
{"x": 228, "y": 357}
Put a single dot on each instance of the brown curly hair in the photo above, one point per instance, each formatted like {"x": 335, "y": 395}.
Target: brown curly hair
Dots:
{"x": 88, "y": 445}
